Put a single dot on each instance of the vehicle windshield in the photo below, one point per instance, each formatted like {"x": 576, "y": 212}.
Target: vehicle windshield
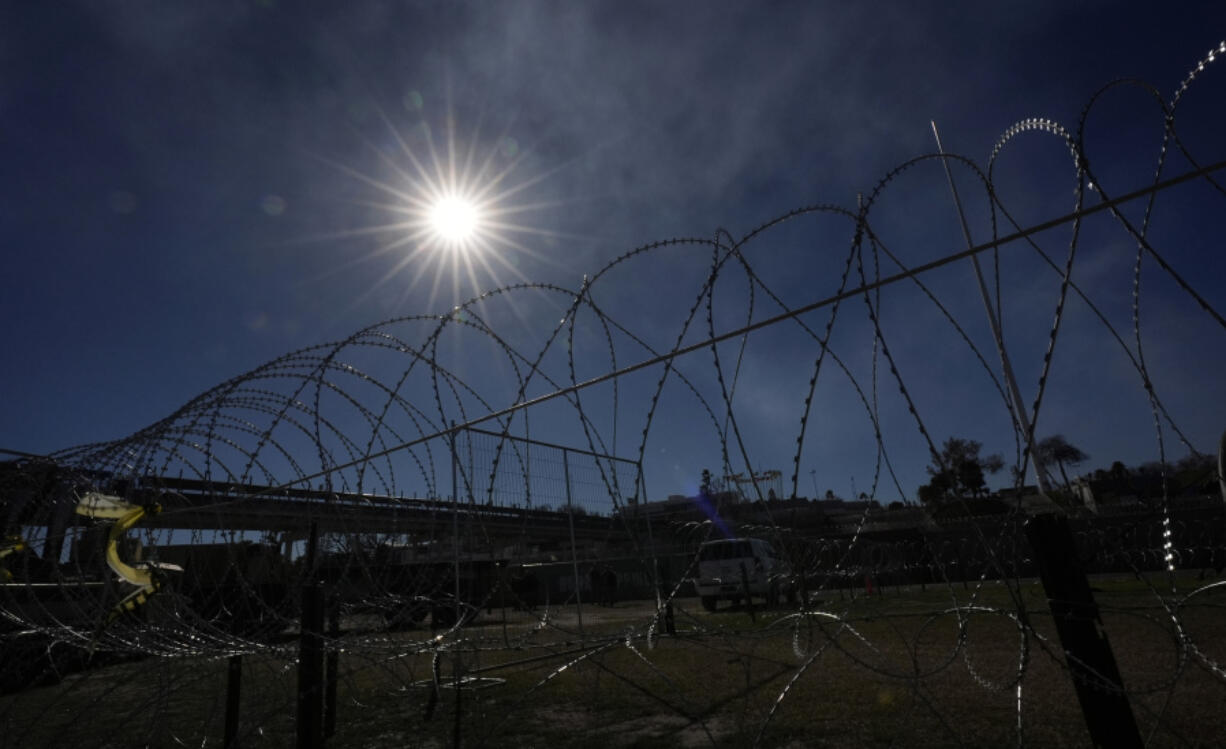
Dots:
{"x": 725, "y": 550}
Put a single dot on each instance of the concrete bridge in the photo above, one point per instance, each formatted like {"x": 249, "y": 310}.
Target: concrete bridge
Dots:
{"x": 201, "y": 505}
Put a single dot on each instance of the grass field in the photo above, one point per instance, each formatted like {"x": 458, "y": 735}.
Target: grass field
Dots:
{"x": 911, "y": 667}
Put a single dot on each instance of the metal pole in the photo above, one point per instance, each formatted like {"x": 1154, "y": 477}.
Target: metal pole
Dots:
{"x": 574, "y": 551}
{"x": 310, "y": 667}
{"x": 745, "y": 587}
{"x": 234, "y": 686}
{"x": 1221, "y": 466}
{"x": 1096, "y": 677}
{"x": 1019, "y": 406}
{"x": 504, "y": 579}
{"x": 651, "y": 546}
{"x": 455, "y": 522}
{"x": 333, "y": 665}
{"x": 455, "y": 531}
{"x": 312, "y": 549}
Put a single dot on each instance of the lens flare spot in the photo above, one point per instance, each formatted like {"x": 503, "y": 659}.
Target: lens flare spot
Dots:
{"x": 273, "y": 205}
{"x": 122, "y": 201}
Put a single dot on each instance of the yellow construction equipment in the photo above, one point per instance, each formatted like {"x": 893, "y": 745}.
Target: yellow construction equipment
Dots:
{"x": 145, "y": 575}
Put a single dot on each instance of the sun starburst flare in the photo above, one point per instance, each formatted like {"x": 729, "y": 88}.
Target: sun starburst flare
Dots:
{"x": 455, "y": 220}
{"x": 455, "y": 214}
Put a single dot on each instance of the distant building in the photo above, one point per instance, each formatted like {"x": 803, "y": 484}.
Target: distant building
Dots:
{"x": 844, "y": 505}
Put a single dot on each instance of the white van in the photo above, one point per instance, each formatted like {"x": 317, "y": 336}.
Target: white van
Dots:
{"x": 731, "y": 569}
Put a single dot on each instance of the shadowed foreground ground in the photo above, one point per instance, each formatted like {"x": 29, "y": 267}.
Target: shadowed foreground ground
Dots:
{"x": 877, "y": 670}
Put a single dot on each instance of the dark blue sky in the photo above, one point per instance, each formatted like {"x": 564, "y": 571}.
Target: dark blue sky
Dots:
{"x": 192, "y": 189}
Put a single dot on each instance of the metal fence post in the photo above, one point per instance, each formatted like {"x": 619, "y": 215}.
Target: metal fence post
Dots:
{"x": 574, "y": 551}
{"x": 234, "y": 685}
{"x": 333, "y": 664}
{"x": 455, "y": 521}
{"x": 1096, "y": 677}
{"x": 310, "y": 667}
{"x": 458, "y": 665}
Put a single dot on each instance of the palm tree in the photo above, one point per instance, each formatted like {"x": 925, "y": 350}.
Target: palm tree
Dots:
{"x": 1057, "y": 449}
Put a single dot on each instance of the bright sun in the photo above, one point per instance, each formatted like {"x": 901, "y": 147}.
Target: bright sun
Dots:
{"x": 454, "y": 219}
{"x": 456, "y": 214}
